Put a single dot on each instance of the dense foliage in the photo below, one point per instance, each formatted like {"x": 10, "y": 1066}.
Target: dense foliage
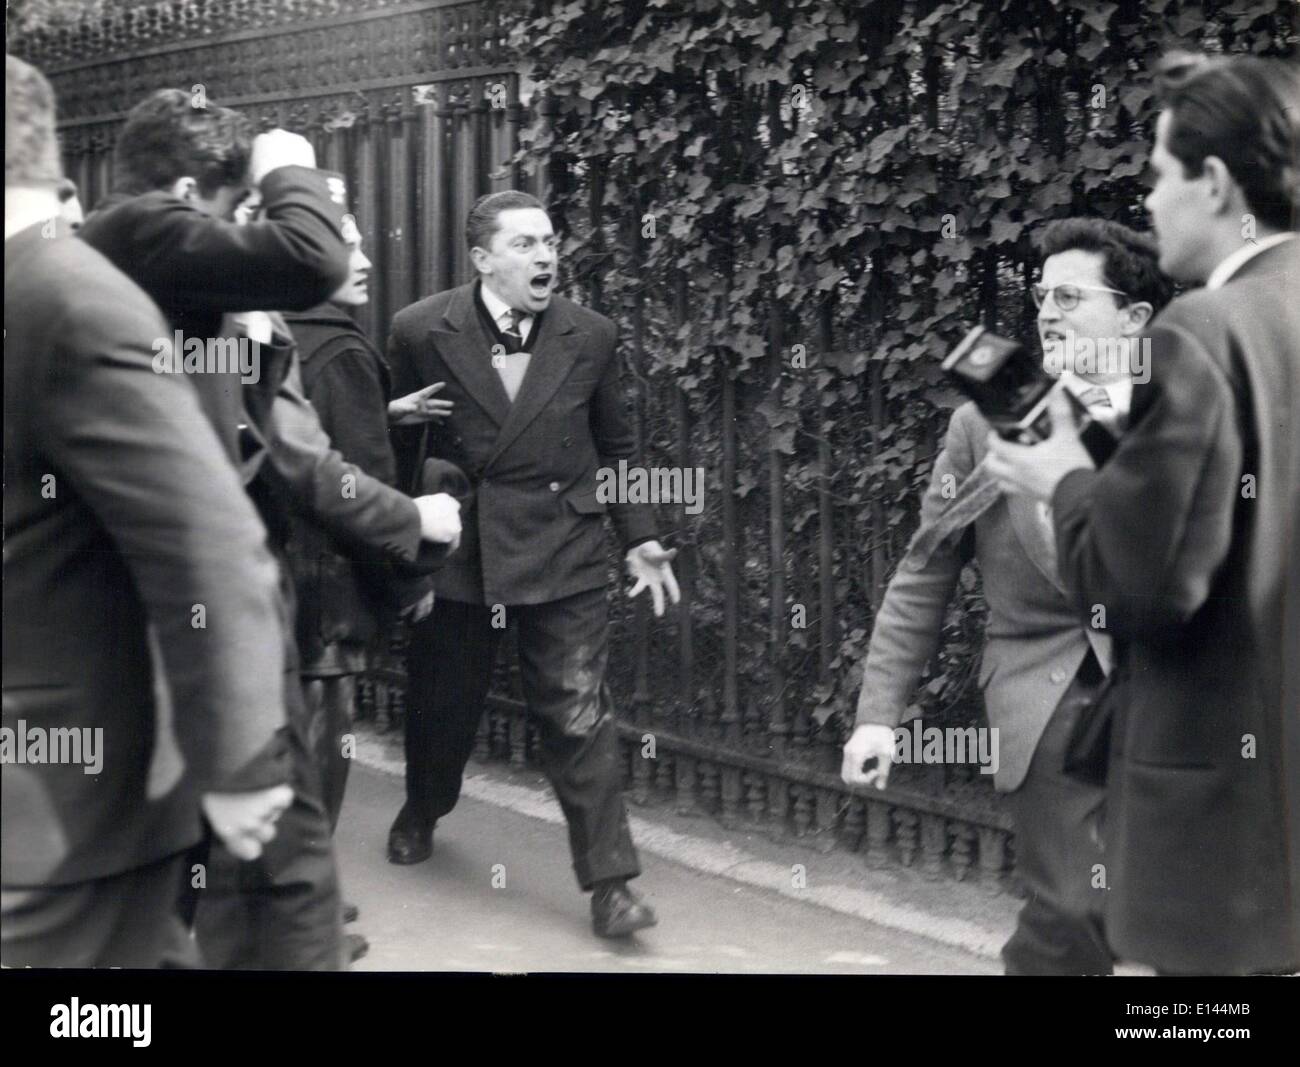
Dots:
{"x": 736, "y": 179}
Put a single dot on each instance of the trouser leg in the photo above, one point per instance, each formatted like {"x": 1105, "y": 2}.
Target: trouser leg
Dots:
{"x": 281, "y": 911}
{"x": 563, "y": 649}
{"x": 329, "y": 700}
{"x": 449, "y": 670}
{"x": 1058, "y": 853}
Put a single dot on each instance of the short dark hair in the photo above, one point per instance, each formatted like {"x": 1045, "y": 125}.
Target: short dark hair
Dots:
{"x": 483, "y": 222}
{"x": 1246, "y": 111}
{"x": 1130, "y": 261}
{"x": 166, "y": 138}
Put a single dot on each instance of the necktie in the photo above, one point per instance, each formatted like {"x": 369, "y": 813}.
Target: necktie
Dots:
{"x": 513, "y": 365}
{"x": 510, "y": 331}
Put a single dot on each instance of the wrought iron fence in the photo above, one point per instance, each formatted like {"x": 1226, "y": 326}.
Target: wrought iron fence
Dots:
{"x": 418, "y": 105}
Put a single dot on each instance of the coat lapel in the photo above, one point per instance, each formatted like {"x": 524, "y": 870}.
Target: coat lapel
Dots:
{"x": 466, "y": 349}
{"x": 550, "y": 365}
{"x": 1034, "y": 537}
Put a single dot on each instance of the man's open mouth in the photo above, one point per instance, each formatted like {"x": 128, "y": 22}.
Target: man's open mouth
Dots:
{"x": 541, "y": 284}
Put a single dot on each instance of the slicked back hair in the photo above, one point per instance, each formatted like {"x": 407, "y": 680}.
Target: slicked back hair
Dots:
{"x": 166, "y": 138}
{"x": 1130, "y": 261}
{"x": 483, "y": 221}
{"x": 1246, "y": 111}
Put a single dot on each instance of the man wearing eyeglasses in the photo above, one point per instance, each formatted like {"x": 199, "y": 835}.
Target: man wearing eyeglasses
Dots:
{"x": 1041, "y": 668}
{"x": 1188, "y": 538}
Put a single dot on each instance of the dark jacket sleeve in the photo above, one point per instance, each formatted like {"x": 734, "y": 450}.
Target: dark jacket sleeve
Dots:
{"x": 1145, "y": 535}
{"x": 352, "y": 404}
{"x": 362, "y": 511}
{"x": 292, "y": 260}
{"x": 910, "y": 620}
{"x": 615, "y": 439}
{"x": 140, "y": 452}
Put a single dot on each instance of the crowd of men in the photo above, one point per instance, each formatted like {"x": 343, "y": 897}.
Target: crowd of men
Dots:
{"x": 219, "y": 494}
{"x": 205, "y": 534}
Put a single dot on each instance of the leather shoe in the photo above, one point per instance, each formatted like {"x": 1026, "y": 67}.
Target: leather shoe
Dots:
{"x": 411, "y": 838}
{"x": 617, "y": 912}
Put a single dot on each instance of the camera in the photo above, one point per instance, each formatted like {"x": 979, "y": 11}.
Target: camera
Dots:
{"x": 1012, "y": 390}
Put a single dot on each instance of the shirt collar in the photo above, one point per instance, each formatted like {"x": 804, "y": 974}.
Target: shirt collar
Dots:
{"x": 1120, "y": 394}
{"x": 496, "y": 307}
{"x": 1222, "y": 274}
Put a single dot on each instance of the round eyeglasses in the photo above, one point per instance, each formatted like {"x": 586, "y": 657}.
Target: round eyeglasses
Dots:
{"x": 1067, "y": 296}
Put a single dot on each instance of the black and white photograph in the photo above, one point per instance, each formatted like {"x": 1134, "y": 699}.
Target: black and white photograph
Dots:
{"x": 677, "y": 493}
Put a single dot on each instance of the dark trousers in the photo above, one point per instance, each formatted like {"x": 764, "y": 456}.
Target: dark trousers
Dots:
{"x": 329, "y": 700}
{"x": 123, "y": 920}
{"x": 1058, "y": 845}
{"x": 281, "y": 911}
{"x": 563, "y": 648}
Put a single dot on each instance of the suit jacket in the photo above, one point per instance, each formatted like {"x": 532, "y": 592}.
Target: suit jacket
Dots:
{"x": 122, "y": 514}
{"x": 1034, "y": 642}
{"x": 534, "y": 529}
{"x": 197, "y": 268}
{"x": 1188, "y": 538}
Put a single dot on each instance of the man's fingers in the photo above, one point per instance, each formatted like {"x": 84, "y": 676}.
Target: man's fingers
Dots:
{"x": 670, "y": 580}
{"x": 429, "y": 390}
{"x": 657, "y": 595}
{"x": 640, "y": 584}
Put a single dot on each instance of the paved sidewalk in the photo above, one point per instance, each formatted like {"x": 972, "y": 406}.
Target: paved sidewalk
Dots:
{"x": 499, "y": 893}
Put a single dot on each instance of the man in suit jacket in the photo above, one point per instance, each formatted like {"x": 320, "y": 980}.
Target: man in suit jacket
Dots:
{"x": 1041, "y": 667}
{"x": 534, "y": 382}
{"x": 123, "y": 519}
{"x": 183, "y": 171}
{"x": 1187, "y": 538}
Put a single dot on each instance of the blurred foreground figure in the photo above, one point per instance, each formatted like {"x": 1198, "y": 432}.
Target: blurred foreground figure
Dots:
{"x": 1186, "y": 540}
{"x": 123, "y": 519}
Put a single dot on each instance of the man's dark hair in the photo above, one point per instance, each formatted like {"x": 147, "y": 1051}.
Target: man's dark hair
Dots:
{"x": 1246, "y": 111}
{"x": 483, "y": 222}
{"x": 166, "y": 138}
{"x": 1130, "y": 261}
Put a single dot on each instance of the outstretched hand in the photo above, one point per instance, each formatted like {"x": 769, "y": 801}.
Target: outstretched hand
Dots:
{"x": 650, "y": 564}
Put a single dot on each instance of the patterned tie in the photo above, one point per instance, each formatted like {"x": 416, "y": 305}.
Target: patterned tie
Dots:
{"x": 510, "y": 331}
{"x": 514, "y": 365}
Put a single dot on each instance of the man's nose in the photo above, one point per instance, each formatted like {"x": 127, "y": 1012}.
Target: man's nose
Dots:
{"x": 365, "y": 263}
{"x": 1047, "y": 310}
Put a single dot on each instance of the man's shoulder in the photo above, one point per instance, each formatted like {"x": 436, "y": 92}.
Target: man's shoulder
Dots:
{"x": 430, "y": 307}
{"x": 968, "y": 428}
{"x": 72, "y": 280}
{"x": 583, "y": 317}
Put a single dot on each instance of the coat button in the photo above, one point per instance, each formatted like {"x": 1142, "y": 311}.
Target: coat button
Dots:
{"x": 1058, "y": 675}
{"x": 555, "y": 487}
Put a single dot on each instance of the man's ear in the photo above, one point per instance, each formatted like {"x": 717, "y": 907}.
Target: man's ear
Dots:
{"x": 1222, "y": 188}
{"x": 479, "y": 257}
{"x": 1138, "y": 315}
{"x": 184, "y": 188}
